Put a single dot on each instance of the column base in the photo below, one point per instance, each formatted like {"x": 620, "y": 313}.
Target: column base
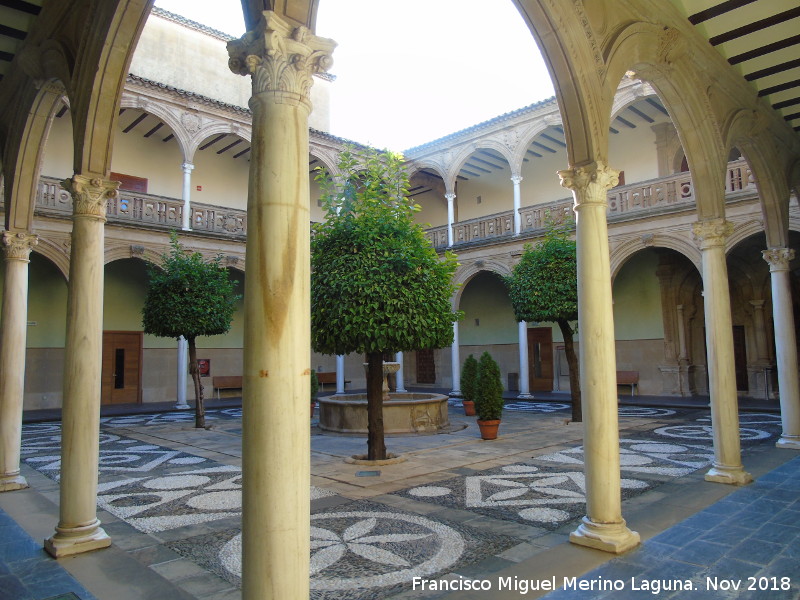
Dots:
{"x": 790, "y": 442}
{"x": 68, "y": 541}
{"x": 525, "y": 397}
{"x": 729, "y": 475}
{"x": 180, "y": 406}
{"x": 455, "y": 394}
{"x": 608, "y": 537}
{"x": 12, "y": 482}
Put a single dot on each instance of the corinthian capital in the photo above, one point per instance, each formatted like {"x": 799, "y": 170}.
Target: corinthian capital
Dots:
{"x": 90, "y": 195}
{"x": 18, "y": 245}
{"x": 712, "y": 233}
{"x": 282, "y": 59}
{"x": 590, "y": 182}
{"x": 778, "y": 258}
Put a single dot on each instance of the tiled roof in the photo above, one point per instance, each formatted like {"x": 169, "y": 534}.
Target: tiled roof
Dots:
{"x": 175, "y": 18}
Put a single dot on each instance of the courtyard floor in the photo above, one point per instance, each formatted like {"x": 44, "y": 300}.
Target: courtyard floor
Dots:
{"x": 459, "y": 509}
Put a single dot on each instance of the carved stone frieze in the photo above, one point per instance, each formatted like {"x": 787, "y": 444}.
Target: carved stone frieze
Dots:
{"x": 590, "y": 183}
{"x": 282, "y": 59}
{"x": 18, "y": 245}
{"x": 778, "y": 258}
{"x": 712, "y": 233}
{"x": 90, "y": 195}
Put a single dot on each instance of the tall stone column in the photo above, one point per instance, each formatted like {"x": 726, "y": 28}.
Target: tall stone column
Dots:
{"x": 516, "y": 180}
{"x": 400, "y": 386}
{"x": 13, "y": 332}
{"x": 760, "y": 332}
{"x": 455, "y": 358}
{"x": 276, "y": 442}
{"x": 603, "y": 526}
{"x": 524, "y": 375}
{"x": 78, "y": 528}
{"x": 339, "y": 374}
{"x": 450, "y": 196}
{"x": 183, "y": 353}
{"x": 727, "y": 464}
{"x": 785, "y": 346}
{"x": 186, "y": 225}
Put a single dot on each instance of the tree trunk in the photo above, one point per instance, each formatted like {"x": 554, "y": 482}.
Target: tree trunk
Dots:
{"x": 199, "y": 409}
{"x": 574, "y": 373}
{"x": 376, "y": 447}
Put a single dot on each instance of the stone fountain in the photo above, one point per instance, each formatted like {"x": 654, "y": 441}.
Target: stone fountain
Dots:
{"x": 402, "y": 413}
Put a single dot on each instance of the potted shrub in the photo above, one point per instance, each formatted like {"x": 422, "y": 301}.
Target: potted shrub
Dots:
{"x": 469, "y": 382}
{"x": 488, "y": 397}
{"x": 314, "y": 389}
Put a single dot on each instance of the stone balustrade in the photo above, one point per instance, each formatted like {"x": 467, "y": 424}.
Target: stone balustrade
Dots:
{"x": 638, "y": 199}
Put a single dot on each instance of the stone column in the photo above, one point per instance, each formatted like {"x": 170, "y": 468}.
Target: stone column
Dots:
{"x": 187, "y": 195}
{"x": 785, "y": 345}
{"x": 683, "y": 350}
{"x": 399, "y": 378}
{"x": 276, "y": 438}
{"x": 524, "y": 375}
{"x": 13, "y": 331}
{"x": 455, "y": 357}
{"x": 516, "y": 180}
{"x": 450, "y": 216}
{"x": 727, "y": 465}
{"x": 183, "y": 349}
{"x": 760, "y": 332}
{"x": 603, "y": 526}
{"x": 78, "y": 528}
{"x": 339, "y": 374}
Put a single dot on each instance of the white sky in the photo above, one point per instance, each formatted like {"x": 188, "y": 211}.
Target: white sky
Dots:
{"x": 411, "y": 71}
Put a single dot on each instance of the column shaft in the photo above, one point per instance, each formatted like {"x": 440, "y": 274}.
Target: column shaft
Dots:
{"x": 183, "y": 349}
{"x": 517, "y": 179}
{"x": 603, "y": 527}
{"x": 524, "y": 375}
{"x": 727, "y": 465}
{"x": 455, "y": 358}
{"x": 78, "y": 528}
{"x": 276, "y": 438}
{"x": 400, "y": 376}
{"x": 785, "y": 346}
{"x": 187, "y": 195}
{"x": 339, "y": 374}
{"x": 13, "y": 333}
{"x": 450, "y": 217}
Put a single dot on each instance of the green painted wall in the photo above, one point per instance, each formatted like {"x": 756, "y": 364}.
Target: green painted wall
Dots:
{"x": 485, "y": 298}
{"x": 637, "y": 299}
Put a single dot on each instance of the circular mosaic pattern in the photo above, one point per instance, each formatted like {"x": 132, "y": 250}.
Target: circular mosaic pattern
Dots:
{"x": 176, "y": 482}
{"x": 633, "y": 460}
{"x": 227, "y": 500}
{"x": 644, "y": 411}
{"x": 187, "y": 460}
{"x": 404, "y": 546}
{"x": 632, "y": 484}
{"x": 705, "y": 432}
{"x": 520, "y": 469}
{"x": 429, "y": 491}
{"x": 658, "y": 448}
{"x": 544, "y": 515}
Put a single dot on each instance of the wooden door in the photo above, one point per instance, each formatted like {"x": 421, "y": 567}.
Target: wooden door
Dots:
{"x": 740, "y": 358}
{"x": 122, "y": 367}
{"x": 540, "y": 359}
{"x": 426, "y": 367}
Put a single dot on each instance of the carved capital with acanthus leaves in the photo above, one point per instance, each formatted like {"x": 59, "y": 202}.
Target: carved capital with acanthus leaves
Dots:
{"x": 17, "y": 245}
{"x": 778, "y": 258}
{"x": 90, "y": 195}
{"x": 281, "y": 58}
{"x": 712, "y": 233}
{"x": 590, "y": 183}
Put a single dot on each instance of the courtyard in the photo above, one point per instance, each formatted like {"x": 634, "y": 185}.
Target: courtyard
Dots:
{"x": 457, "y": 510}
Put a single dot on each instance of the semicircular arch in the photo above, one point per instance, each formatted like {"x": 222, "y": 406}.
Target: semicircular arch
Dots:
{"x": 464, "y": 275}
{"x": 681, "y": 245}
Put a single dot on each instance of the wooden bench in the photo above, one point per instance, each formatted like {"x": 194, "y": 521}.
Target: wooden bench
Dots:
{"x": 226, "y": 382}
{"x": 630, "y": 378}
{"x": 324, "y": 377}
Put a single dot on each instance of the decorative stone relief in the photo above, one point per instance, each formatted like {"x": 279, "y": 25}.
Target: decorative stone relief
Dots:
{"x": 137, "y": 251}
{"x": 191, "y": 122}
{"x": 18, "y": 245}
{"x": 281, "y": 59}
{"x": 231, "y": 261}
{"x": 90, "y": 195}
{"x": 711, "y": 233}
{"x": 778, "y": 258}
{"x": 648, "y": 239}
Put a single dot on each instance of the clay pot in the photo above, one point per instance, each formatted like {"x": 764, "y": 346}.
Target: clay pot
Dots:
{"x": 469, "y": 408}
{"x": 489, "y": 429}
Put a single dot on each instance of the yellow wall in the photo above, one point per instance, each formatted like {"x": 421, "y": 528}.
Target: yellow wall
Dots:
{"x": 540, "y": 182}
{"x": 497, "y": 195}
{"x": 223, "y": 178}
{"x": 434, "y": 209}
{"x": 57, "y": 161}
{"x": 634, "y": 152}
{"x": 156, "y": 161}
{"x": 637, "y": 299}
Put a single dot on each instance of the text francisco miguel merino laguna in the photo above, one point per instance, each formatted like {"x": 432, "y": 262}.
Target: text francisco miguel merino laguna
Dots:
{"x": 599, "y": 583}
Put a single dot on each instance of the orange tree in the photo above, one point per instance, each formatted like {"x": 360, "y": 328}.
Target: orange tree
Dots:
{"x": 377, "y": 284}
{"x": 544, "y": 287}
{"x": 189, "y": 296}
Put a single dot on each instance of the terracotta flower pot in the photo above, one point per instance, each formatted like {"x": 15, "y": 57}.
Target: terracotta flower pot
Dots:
{"x": 489, "y": 429}
{"x": 469, "y": 408}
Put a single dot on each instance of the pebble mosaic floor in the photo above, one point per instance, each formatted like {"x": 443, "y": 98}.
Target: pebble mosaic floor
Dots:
{"x": 363, "y": 549}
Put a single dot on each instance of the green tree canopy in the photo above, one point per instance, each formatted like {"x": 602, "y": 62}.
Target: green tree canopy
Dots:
{"x": 189, "y": 296}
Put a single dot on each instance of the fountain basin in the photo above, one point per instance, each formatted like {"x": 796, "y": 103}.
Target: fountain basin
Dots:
{"x": 403, "y": 413}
